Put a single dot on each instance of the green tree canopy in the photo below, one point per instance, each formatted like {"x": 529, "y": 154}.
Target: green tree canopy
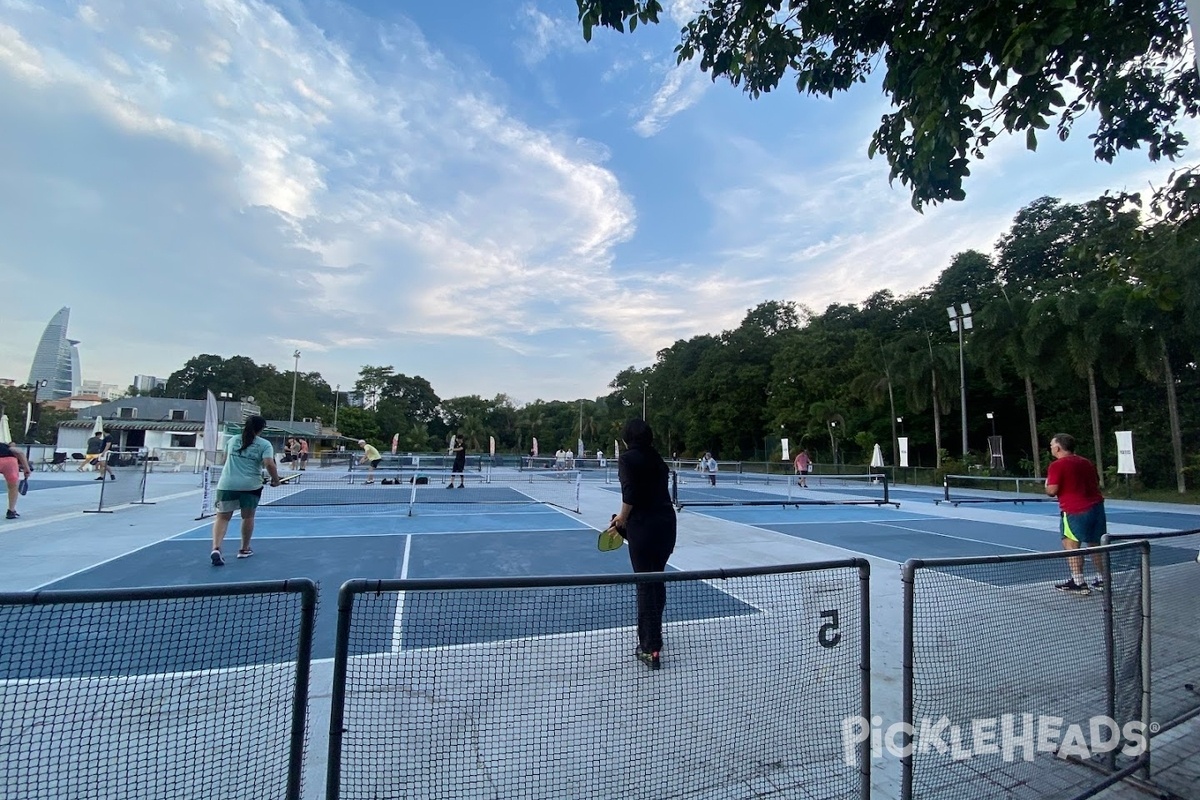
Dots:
{"x": 958, "y": 73}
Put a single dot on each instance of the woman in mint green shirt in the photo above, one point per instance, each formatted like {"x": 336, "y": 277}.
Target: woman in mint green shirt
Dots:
{"x": 241, "y": 485}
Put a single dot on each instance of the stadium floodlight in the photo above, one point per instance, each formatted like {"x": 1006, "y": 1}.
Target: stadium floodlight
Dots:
{"x": 960, "y": 320}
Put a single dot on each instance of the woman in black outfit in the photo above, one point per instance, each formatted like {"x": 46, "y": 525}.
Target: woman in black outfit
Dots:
{"x": 647, "y": 521}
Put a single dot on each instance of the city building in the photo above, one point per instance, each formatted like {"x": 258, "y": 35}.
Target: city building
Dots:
{"x": 148, "y": 383}
{"x": 56, "y": 360}
{"x": 105, "y": 391}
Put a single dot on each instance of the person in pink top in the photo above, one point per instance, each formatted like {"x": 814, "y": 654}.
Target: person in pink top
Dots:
{"x": 303, "y": 453}
{"x": 1073, "y": 480}
{"x": 803, "y": 467}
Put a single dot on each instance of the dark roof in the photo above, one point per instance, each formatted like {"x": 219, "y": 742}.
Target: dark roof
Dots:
{"x": 178, "y": 426}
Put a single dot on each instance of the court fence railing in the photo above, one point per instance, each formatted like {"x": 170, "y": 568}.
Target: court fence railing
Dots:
{"x": 994, "y": 656}
{"x": 528, "y": 687}
{"x": 197, "y": 691}
{"x": 1175, "y": 660}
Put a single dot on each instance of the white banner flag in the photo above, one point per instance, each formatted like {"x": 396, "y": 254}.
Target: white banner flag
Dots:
{"x": 783, "y": 446}
{"x": 903, "y": 440}
{"x": 1125, "y": 453}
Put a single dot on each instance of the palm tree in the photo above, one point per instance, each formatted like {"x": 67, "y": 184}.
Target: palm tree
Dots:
{"x": 1094, "y": 328}
{"x": 1015, "y": 333}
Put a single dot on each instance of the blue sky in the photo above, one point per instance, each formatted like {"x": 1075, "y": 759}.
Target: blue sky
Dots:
{"x": 463, "y": 190}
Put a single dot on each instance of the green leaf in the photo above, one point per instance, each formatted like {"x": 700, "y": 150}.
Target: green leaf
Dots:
{"x": 1031, "y": 139}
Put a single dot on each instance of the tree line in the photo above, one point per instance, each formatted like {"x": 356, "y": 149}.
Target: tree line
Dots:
{"x": 1080, "y": 310}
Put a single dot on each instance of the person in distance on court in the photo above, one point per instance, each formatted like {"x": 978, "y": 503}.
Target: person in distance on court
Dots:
{"x": 370, "y": 456}
{"x": 241, "y": 484}
{"x": 12, "y": 464}
{"x": 98, "y": 448}
{"x": 304, "y": 454}
{"x": 710, "y": 467}
{"x": 1073, "y": 480}
{"x": 647, "y": 521}
{"x": 460, "y": 461}
{"x": 803, "y": 467}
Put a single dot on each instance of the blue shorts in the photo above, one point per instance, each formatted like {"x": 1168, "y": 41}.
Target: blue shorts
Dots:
{"x": 1087, "y": 528}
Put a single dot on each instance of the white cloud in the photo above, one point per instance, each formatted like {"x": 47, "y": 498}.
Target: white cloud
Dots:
{"x": 681, "y": 89}
{"x": 543, "y": 34}
{"x": 361, "y": 205}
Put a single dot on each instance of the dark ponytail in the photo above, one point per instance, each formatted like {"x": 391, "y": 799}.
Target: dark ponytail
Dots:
{"x": 254, "y": 426}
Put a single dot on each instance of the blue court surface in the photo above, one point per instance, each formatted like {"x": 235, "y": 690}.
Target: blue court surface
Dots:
{"x": 451, "y": 542}
{"x": 310, "y": 536}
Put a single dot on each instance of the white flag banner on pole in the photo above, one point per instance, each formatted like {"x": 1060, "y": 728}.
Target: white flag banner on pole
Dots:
{"x": 579, "y": 452}
{"x": 1125, "y": 464}
{"x": 535, "y": 447}
{"x": 492, "y": 445}
{"x": 28, "y": 417}
{"x": 903, "y": 440}
{"x": 616, "y": 449}
{"x": 210, "y": 428}
{"x": 783, "y": 447}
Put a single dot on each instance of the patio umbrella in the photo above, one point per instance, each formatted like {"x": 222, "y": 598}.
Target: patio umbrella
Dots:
{"x": 5, "y": 433}
{"x": 877, "y": 457}
{"x": 98, "y": 426}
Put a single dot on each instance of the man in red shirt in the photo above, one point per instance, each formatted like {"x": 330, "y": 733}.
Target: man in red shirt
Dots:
{"x": 1074, "y": 481}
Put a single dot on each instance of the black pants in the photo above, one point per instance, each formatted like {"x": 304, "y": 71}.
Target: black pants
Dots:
{"x": 651, "y": 556}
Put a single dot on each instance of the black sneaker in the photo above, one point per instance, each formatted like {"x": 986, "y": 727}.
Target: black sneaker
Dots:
{"x": 1071, "y": 587}
{"x": 112, "y": 476}
{"x": 1098, "y": 584}
{"x": 100, "y": 478}
{"x": 10, "y": 514}
{"x": 651, "y": 660}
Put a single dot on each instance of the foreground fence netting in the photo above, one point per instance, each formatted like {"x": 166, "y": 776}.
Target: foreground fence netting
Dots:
{"x": 1175, "y": 660}
{"x": 196, "y": 692}
{"x": 1005, "y": 678}
{"x": 529, "y": 687}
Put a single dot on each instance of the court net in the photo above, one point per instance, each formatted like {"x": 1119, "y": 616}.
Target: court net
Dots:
{"x": 760, "y": 489}
{"x": 530, "y": 688}
{"x": 958, "y": 489}
{"x": 995, "y": 656}
{"x": 176, "y": 692}
{"x": 338, "y": 493}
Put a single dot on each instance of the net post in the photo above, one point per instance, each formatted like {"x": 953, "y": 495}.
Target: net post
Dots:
{"x": 308, "y": 612}
{"x": 864, "y": 601}
{"x": 1110, "y": 652}
{"x": 1147, "y": 643}
{"x": 887, "y": 494}
{"x": 675, "y": 489}
{"x": 99, "y": 509}
{"x": 337, "y": 696}
{"x": 908, "y": 575}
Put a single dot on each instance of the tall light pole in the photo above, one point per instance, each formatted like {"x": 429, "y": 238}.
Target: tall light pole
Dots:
{"x": 337, "y": 395}
{"x": 225, "y": 397}
{"x": 960, "y": 321}
{"x": 644, "y": 385}
{"x": 35, "y": 415}
{"x": 295, "y": 376}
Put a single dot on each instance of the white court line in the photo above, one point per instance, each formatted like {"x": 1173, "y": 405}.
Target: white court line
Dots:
{"x": 959, "y": 538}
{"x": 398, "y": 619}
